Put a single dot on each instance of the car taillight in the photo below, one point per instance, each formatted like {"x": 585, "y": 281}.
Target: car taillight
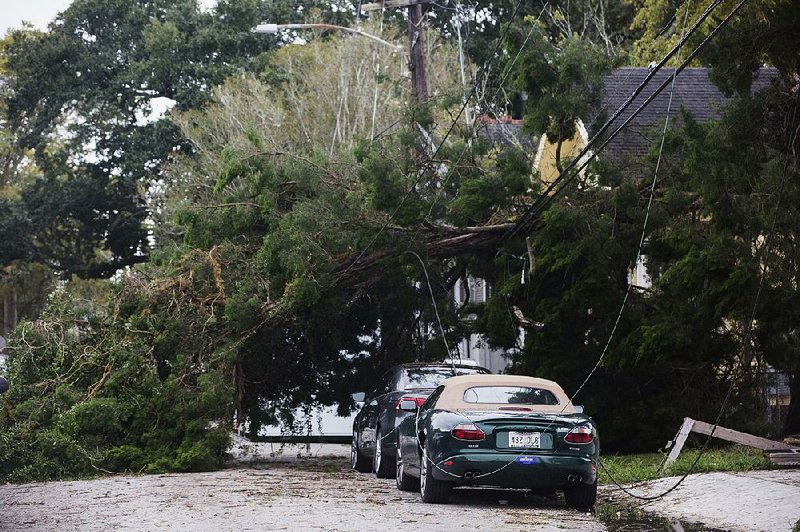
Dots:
{"x": 467, "y": 431}
{"x": 419, "y": 400}
{"x": 579, "y": 435}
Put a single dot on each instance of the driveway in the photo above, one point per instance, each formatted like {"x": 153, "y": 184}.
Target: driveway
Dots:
{"x": 309, "y": 494}
{"x": 750, "y": 501}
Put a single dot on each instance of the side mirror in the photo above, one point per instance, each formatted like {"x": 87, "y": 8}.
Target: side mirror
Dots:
{"x": 407, "y": 405}
{"x": 3, "y": 385}
{"x": 359, "y": 397}
{"x": 578, "y": 409}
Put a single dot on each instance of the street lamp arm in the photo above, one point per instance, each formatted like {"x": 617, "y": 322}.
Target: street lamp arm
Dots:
{"x": 274, "y": 28}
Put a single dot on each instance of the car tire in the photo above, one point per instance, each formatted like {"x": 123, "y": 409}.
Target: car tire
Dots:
{"x": 581, "y": 496}
{"x": 381, "y": 464}
{"x": 404, "y": 481}
{"x": 431, "y": 489}
{"x": 358, "y": 461}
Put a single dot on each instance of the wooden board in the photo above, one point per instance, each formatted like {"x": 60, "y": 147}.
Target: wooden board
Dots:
{"x": 390, "y": 4}
{"x": 787, "y": 454}
{"x": 677, "y": 445}
{"x": 785, "y": 459}
{"x": 740, "y": 437}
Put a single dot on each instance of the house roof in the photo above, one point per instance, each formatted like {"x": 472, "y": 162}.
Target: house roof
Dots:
{"x": 694, "y": 92}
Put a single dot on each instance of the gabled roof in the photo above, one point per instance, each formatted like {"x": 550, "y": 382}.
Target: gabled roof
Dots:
{"x": 693, "y": 92}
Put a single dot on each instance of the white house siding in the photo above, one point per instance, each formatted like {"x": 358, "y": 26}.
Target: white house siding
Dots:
{"x": 476, "y": 347}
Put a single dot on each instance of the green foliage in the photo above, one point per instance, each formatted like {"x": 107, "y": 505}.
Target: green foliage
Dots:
{"x": 628, "y": 469}
{"x": 560, "y": 79}
{"x": 91, "y": 393}
{"x": 494, "y": 186}
{"x": 95, "y": 141}
{"x": 290, "y": 205}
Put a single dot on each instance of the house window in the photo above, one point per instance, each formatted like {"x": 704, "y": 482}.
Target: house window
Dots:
{"x": 479, "y": 290}
{"x": 638, "y": 277}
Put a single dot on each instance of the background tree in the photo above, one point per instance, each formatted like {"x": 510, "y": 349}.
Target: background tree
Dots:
{"x": 24, "y": 284}
{"x": 686, "y": 341}
{"x": 749, "y": 166}
{"x": 84, "y": 96}
{"x": 283, "y": 269}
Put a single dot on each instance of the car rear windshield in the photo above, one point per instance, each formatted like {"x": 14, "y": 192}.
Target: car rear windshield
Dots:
{"x": 509, "y": 395}
{"x": 431, "y": 377}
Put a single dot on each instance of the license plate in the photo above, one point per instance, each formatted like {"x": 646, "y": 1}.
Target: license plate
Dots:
{"x": 524, "y": 440}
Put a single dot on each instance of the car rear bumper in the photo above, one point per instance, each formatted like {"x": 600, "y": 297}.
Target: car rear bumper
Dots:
{"x": 507, "y": 470}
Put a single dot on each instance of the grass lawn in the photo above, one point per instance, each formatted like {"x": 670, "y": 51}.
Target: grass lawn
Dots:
{"x": 641, "y": 467}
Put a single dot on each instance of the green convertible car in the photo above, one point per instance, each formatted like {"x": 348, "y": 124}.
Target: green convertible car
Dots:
{"x": 498, "y": 430}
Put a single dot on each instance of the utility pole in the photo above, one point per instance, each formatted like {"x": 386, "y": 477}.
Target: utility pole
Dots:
{"x": 416, "y": 52}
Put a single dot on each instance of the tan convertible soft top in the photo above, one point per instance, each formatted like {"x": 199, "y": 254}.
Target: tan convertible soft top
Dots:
{"x": 452, "y": 397}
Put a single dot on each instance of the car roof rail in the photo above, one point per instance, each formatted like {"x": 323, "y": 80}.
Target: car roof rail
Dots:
{"x": 461, "y": 361}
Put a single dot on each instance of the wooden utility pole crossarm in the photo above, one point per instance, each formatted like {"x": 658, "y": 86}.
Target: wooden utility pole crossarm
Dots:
{"x": 391, "y": 4}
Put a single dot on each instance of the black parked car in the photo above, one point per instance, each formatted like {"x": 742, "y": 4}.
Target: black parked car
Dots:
{"x": 380, "y": 415}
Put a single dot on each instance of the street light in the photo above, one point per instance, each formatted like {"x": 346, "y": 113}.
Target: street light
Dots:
{"x": 275, "y": 28}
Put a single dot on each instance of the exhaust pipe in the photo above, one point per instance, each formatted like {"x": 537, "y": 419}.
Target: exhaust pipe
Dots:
{"x": 574, "y": 478}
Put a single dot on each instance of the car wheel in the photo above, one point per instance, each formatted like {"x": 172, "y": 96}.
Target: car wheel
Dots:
{"x": 404, "y": 481}
{"x": 381, "y": 464}
{"x": 432, "y": 490}
{"x": 358, "y": 461}
{"x": 581, "y": 496}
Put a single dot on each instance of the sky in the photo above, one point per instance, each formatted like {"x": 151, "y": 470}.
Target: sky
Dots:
{"x": 38, "y": 12}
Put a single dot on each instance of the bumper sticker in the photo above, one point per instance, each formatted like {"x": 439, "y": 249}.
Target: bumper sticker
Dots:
{"x": 526, "y": 459}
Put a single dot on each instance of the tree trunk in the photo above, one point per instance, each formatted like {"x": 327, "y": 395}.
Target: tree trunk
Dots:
{"x": 792, "y": 425}
{"x": 9, "y": 312}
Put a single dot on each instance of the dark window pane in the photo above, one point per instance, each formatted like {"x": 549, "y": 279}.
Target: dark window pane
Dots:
{"x": 433, "y": 398}
{"x": 428, "y": 377}
{"x": 510, "y": 395}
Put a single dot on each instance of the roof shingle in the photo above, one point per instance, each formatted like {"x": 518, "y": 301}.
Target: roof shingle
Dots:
{"x": 694, "y": 92}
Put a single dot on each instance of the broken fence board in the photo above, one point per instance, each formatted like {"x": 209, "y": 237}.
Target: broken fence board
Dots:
{"x": 740, "y": 437}
{"x": 789, "y": 455}
{"x": 680, "y": 439}
{"x": 787, "y": 458}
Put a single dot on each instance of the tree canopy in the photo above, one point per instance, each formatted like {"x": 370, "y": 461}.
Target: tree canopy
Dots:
{"x": 280, "y": 214}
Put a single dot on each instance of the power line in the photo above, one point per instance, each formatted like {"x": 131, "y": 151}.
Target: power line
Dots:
{"x": 655, "y": 177}
{"x": 748, "y": 331}
{"x": 644, "y": 226}
{"x": 432, "y": 158}
{"x": 563, "y": 180}
{"x": 544, "y": 199}
{"x": 758, "y": 294}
